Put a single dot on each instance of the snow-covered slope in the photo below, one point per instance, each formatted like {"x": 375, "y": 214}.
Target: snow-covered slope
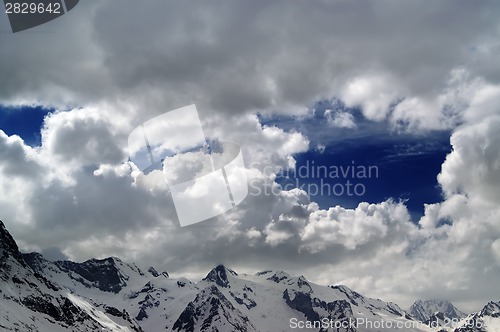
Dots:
{"x": 288, "y": 301}
{"x": 211, "y": 310}
{"x": 31, "y": 302}
{"x": 488, "y": 319}
{"x": 435, "y": 312}
{"x": 111, "y": 295}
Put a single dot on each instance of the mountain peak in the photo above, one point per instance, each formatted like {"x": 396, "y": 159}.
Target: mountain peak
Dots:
{"x": 211, "y": 310}
{"x": 261, "y": 273}
{"x": 491, "y": 309}
{"x": 423, "y": 310}
{"x": 219, "y": 275}
{"x": 279, "y": 276}
{"x": 484, "y": 320}
{"x": 104, "y": 273}
{"x": 8, "y": 246}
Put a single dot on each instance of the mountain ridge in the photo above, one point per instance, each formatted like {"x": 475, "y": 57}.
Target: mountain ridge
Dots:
{"x": 436, "y": 312}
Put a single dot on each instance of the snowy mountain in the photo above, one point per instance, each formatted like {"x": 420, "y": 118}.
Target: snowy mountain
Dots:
{"x": 211, "y": 310}
{"x": 488, "y": 319}
{"x": 111, "y": 295}
{"x": 31, "y": 302}
{"x": 434, "y": 312}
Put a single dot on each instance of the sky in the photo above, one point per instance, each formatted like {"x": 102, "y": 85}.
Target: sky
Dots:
{"x": 409, "y": 89}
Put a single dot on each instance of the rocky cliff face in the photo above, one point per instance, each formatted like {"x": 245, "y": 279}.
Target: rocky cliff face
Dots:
{"x": 425, "y": 310}
{"x": 29, "y": 301}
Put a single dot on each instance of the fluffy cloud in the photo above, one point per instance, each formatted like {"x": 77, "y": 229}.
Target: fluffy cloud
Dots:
{"x": 82, "y": 136}
{"x": 474, "y": 165}
{"x": 374, "y": 94}
{"x": 352, "y": 228}
{"x": 19, "y": 160}
{"x": 79, "y": 186}
{"x": 340, "y": 119}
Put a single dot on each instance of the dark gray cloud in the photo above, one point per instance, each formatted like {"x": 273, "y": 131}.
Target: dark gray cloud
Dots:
{"x": 235, "y": 57}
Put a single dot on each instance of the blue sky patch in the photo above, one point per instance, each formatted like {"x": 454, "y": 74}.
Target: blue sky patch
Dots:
{"x": 25, "y": 121}
{"x": 335, "y": 170}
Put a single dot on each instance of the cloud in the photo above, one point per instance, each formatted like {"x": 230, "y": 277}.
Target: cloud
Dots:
{"x": 88, "y": 193}
{"x": 354, "y": 227}
{"x": 320, "y": 148}
{"x": 340, "y": 119}
{"x": 82, "y": 136}
{"x": 374, "y": 94}
{"x": 474, "y": 165}
{"x": 95, "y": 211}
{"x": 18, "y": 159}
{"x": 236, "y": 59}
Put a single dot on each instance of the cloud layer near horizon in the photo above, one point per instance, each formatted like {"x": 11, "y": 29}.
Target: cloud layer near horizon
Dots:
{"x": 418, "y": 68}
